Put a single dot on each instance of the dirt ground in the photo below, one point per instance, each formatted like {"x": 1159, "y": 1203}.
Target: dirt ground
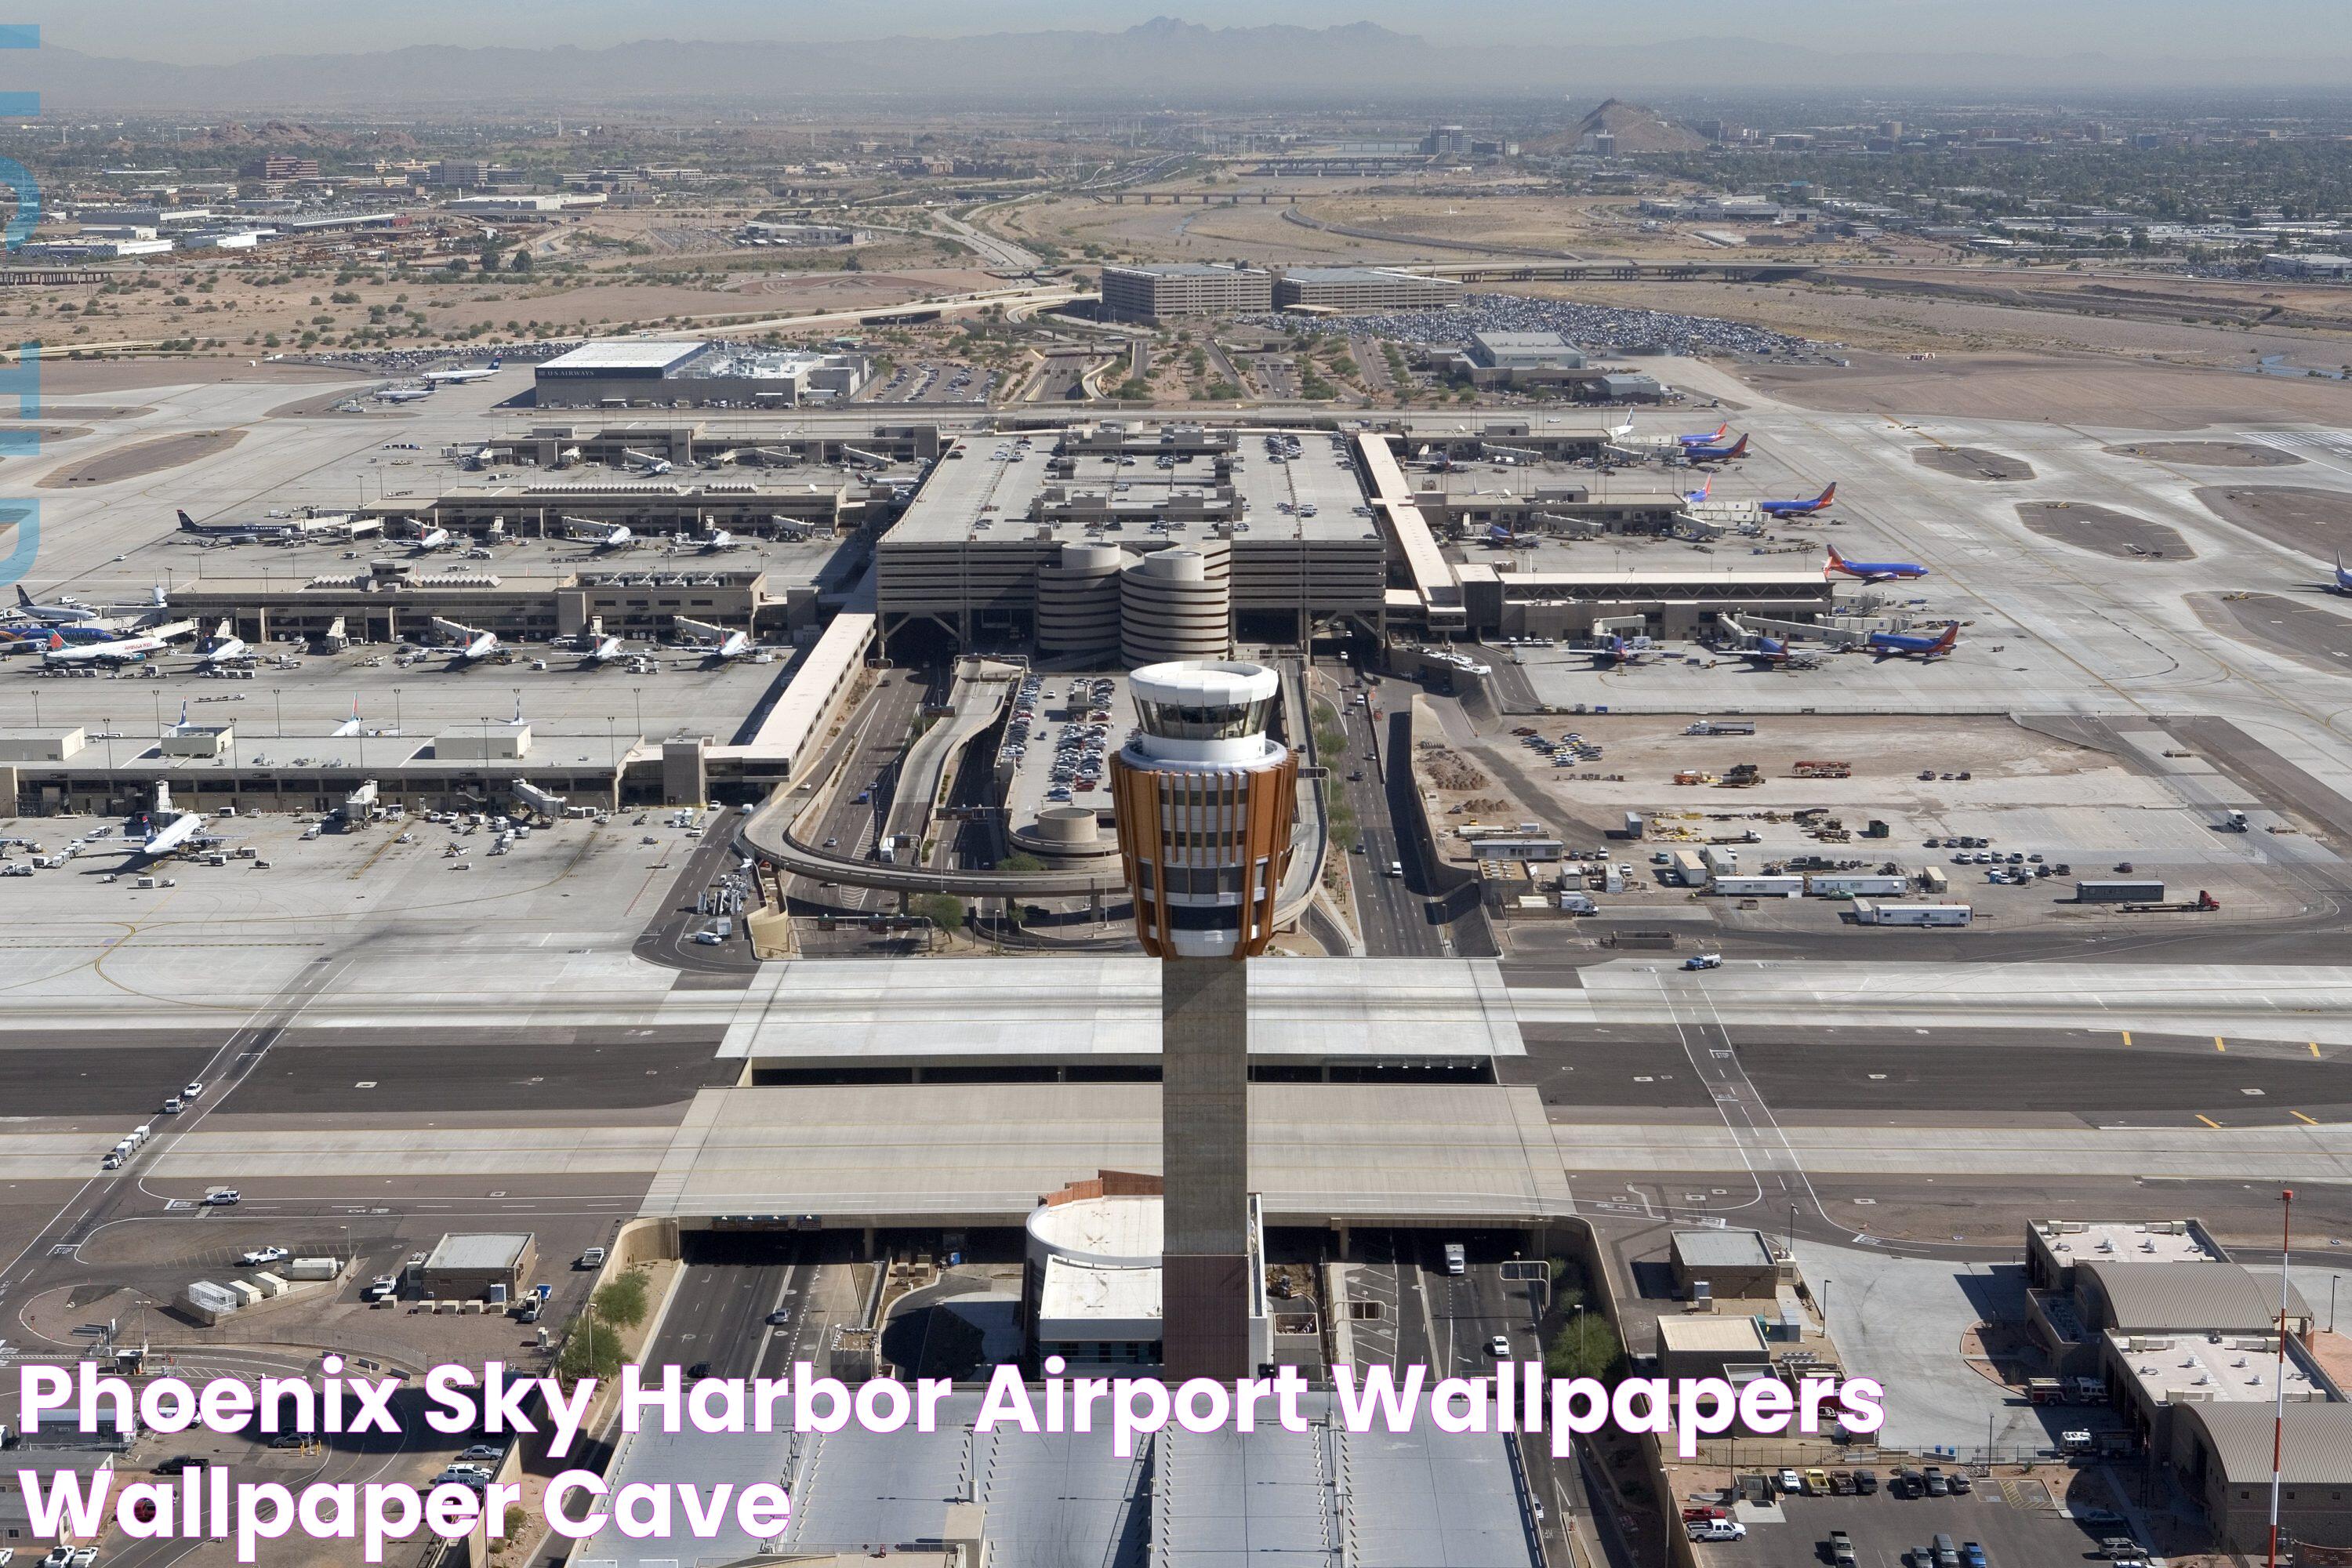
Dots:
{"x": 322, "y": 406}
{"x": 88, "y": 376}
{"x": 2310, "y": 634}
{"x": 1971, "y": 463}
{"x": 142, "y": 458}
{"x": 2208, "y": 454}
{"x": 97, "y": 412}
{"x": 2065, "y": 389}
{"x": 2116, "y": 533}
{"x": 2318, "y": 522}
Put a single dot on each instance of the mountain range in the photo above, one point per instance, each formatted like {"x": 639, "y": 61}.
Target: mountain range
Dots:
{"x": 1155, "y": 64}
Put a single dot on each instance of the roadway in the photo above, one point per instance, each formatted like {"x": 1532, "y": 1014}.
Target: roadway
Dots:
{"x": 728, "y": 1284}
{"x": 1391, "y": 916}
{"x": 2106, "y": 1078}
{"x": 668, "y": 938}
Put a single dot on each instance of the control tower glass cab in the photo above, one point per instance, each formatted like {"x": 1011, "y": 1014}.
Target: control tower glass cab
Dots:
{"x": 1205, "y": 803}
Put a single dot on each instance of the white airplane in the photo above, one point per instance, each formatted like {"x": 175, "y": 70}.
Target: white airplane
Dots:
{"x": 604, "y": 650}
{"x": 170, "y": 830}
{"x": 225, "y": 646}
{"x": 460, "y": 377}
{"x": 717, "y": 538}
{"x": 119, "y": 650}
{"x": 64, "y": 611}
{"x": 431, "y": 540}
{"x": 734, "y": 646}
{"x": 603, "y": 536}
{"x": 402, "y": 393}
{"x": 482, "y": 646}
{"x": 645, "y": 462}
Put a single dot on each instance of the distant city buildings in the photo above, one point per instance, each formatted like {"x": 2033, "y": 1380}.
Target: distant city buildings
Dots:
{"x": 1184, "y": 288}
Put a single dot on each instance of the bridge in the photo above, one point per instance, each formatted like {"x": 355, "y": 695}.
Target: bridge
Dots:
{"x": 1199, "y": 198}
{"x": 1624, "y": 269}
{"x": 49, "y": 277}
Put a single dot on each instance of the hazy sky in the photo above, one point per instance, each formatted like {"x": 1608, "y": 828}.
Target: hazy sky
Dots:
{"x": 214, "y": 30}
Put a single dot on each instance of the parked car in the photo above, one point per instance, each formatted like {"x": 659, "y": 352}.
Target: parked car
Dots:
{"x": 261, "y": 1255}
{"x": 1789, "y": 1482}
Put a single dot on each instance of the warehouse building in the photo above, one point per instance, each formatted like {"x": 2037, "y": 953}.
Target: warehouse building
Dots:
{"x": 1348, "y": 290}
{"x": 1154, "y": 293}
{"x": 625, "y": 374}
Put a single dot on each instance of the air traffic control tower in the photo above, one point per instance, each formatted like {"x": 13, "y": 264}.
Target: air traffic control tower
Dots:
{"x": 1205, "y": 801}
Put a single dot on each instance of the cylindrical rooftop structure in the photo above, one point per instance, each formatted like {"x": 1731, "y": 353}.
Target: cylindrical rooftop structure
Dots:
{"x": 1175, "y": 603}
{"x": 1078, "y": 600}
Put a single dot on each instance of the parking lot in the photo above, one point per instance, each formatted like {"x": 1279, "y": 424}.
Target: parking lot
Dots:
{"x": 1821, "y": 781}
{"x": 2019, "y": 1522}
{"x": 1060, "y": 737}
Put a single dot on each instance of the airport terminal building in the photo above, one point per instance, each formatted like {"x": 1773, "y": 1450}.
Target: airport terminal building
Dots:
{"x": 649, "y": 375}
{"x": 1178, "y": 541}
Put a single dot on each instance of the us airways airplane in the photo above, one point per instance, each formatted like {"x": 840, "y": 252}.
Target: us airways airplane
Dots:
{"x": 460, "y": 377}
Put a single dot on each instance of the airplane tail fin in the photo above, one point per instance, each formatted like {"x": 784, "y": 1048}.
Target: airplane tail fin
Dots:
{"x": 1950, "y": 641}
{"x": 1835, "y": 562}
{"x": 187, "y": 523}
{"x": 23, "y": 597}
{"x": 496, "y": 361}
{"x": 159, "y": 601}
{"x": 1740, "y": 450}
{"x": 56, "y": 642}
{"x": 1828, "y": 495}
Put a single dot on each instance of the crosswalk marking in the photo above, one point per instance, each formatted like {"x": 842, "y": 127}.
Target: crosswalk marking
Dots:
{"x": 2339, "y": 442}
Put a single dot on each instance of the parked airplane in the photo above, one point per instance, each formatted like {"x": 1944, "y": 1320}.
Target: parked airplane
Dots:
{"x": 64, "y": 611}
{"x": 603, "y": 650}
{"x": 2343, "y": 577}
{"x": 1500, "y": 537}
{"x": 1756, "y": 648}
{"x": 644, "y": 462}
{"x": 170, "y": 830}
{"x": 480, "y": 647}
{"x": 431, "y": 540}
{"x": 1871, "y": 571}
{"x": 1800, "y": 507}
{"x": 22, "y": 639}
{"x": 459, "y": 377}
{"x": 733, "y": 645}
{"x": 1730, "y": 454}
{"x": 222, "y": 647}
{"x": 1905, "y": 644}
{"x": 296, "y": 526}
{"x": 1623, "y": 652}
{"x": 115, "y": 651}
{"x": 1699, "y": 496}
{"x": 717, "y": 538}
{"x": 402, "y": 393}
{"x": 1709, "y": 438}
